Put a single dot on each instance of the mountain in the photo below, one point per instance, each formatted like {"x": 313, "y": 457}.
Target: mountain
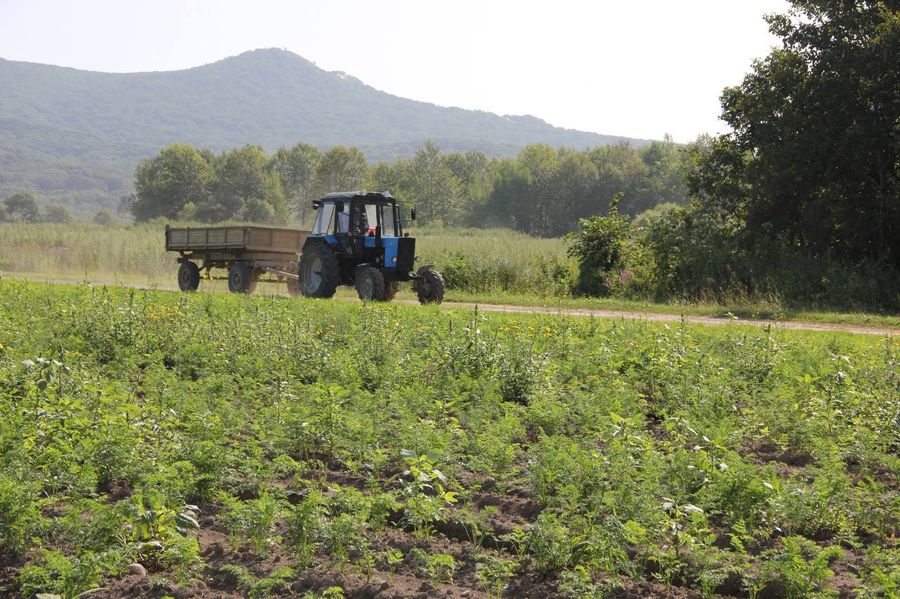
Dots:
{"x": 74, "y": 137}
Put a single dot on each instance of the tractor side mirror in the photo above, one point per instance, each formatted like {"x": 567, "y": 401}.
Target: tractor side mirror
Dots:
{"x": 412, "y": 213}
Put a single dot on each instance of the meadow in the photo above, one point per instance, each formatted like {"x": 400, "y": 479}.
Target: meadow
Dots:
{"x": 473, "y": 259}
{"x": 487, "y": 266}
{"x": 164, "y": 444}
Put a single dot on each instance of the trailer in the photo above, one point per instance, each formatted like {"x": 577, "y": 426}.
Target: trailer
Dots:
{"x": 246, "y": 252}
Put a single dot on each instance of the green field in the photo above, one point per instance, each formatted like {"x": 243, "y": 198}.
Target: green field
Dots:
{"x": 488, "y": 266}
{"x": 256, "y": 446}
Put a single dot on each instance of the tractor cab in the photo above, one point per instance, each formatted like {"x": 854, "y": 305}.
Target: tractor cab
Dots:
{"x": 358, "y": 240}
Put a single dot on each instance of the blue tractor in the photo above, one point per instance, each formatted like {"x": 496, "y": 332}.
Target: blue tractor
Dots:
{"x": 358, "y": 240}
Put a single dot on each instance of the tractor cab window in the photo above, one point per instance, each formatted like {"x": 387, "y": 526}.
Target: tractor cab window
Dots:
{"x": 389, "y": 224}
{"x": 325, "y": 219}
{"x": 343, "y": 219}
{"x": 384, "y": 215}
{"x": 372, "y": 216}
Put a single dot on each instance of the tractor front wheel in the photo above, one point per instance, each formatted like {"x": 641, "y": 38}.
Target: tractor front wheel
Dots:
{"x": 429, "y": 286}
{"x": 319, "y": 272}
{"x": 370, "y": 284}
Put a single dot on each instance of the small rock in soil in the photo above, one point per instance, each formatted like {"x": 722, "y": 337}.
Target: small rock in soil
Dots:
{"x": 137, "y": 569}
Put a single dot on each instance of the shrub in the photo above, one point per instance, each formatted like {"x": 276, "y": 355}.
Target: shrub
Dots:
{"x": 599, "y": 247}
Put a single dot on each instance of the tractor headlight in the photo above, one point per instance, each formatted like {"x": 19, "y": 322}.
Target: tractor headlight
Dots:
{"x": 394, "y": 259}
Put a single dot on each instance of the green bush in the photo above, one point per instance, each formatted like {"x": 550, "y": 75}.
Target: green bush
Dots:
{"x": 599, "y": 246}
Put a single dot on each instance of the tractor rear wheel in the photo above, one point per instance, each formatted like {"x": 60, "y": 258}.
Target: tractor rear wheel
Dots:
{"x": 240, "y": 278}
{"x": 370, "y": 284}
{"x": 188, "y": 276}
{"x": 319, "y": 272}
{"x": 430, "y": 286}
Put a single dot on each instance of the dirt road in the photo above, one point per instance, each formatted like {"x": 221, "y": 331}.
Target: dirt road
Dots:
{"x": 660, "y": 317}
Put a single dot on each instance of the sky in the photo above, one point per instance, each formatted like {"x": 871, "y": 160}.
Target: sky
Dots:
{"x": 636, "y": 68}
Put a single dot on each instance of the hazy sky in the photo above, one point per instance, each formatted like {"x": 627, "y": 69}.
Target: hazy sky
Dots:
{"x": 639, "y": 68}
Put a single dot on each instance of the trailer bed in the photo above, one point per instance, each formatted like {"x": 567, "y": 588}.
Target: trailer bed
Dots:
{"x": 247, "y": 238}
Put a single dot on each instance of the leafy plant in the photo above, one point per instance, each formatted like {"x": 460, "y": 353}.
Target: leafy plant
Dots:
{"x": 258, "y": 588}
{"x": 494, "y": 573}
{"x": 426, "y": 497}
{"x": 19, "y": 515}
{"x": 254, "y": 519}
{"x": 54, "y": 572}
{"x": 802, "y": 567}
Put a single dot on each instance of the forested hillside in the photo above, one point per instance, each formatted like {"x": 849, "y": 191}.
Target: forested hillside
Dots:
{"x": 74, "y": 137}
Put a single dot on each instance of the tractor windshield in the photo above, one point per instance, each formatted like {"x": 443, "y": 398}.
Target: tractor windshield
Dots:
{"x": 388, "y": 225}
{"x": 374, "y": 215}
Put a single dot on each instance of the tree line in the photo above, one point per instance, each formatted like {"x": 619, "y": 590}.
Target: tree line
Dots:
{"x": 543, "y": 191}
{"x": 800, "y": 202}
{"x": 22, "y": 207}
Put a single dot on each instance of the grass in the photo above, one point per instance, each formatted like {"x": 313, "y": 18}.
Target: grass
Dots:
{"x": 268, "y": 445}
{"x": 482, "y": 266}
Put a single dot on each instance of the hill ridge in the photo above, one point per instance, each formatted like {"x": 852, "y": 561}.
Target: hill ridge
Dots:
{"x": 74, "y": 136}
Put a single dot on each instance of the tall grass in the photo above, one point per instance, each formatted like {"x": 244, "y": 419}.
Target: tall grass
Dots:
{"x": 472, "y": 259}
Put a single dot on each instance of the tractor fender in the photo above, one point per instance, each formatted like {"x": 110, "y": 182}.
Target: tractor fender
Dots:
{"x": 317, "y": 240}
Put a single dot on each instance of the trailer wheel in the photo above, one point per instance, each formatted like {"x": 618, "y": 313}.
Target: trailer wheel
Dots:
{"x": 370, "y": 285}
{"x": 240, "y": 279}
{"x": 188, "y": 276}
{"x": 319, "y": 271}
{"x": 390, "y": 290}
{"x": 430, "y": 287}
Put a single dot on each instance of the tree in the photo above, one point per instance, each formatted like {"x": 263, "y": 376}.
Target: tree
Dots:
{"x": 57, "y": 214}
{"x": 665, "y": 174}
{"x": 474, "y": 176}
{"x": 817, "y": 132}
{"x": 164, "y": 184}
{"x": 394, "y": 177}
{"x": 21, "y": 208}
{"x": 434, "y": 188}
{"x": 511, "y": 185}
{"x": 620, "y": 170}
{"x": 296, "y": 167}
{"x": 243, "y": 175}
{"x": 341, "y": 169}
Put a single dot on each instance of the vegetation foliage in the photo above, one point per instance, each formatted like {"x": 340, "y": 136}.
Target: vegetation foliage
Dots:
{"x": 543, "y": 191}
{"x": 345, "y": 444}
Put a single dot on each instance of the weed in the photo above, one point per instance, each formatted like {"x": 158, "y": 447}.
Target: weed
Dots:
{"x": 258, "y": 588}
{"x": 494, "y": 574}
